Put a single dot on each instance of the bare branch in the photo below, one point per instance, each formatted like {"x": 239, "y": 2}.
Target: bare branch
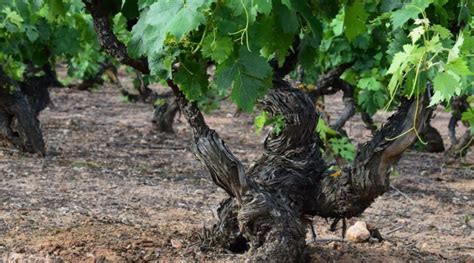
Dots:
{"x": 107, "y": 39}
{"x": 325, "y": 84}
{"x": 226, "y": 170}
{"x": 330, "y": 83}
{"x": 349, "y": 104}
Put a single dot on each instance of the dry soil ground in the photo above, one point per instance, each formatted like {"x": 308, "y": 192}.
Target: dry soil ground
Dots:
{"x": 111, "y": 189}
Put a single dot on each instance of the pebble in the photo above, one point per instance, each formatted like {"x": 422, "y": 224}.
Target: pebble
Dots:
{"x": 424, "y": 246}
{"x": 358, "y": 232}
{"x": 176, "y": 243}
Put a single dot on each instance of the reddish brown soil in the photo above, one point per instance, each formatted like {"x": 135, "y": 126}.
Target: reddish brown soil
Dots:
{"x": 111, "y": 189}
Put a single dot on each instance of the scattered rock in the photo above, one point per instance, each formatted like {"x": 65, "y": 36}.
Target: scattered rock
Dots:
{"x": 176, "y": 243}
{"x": 358, "y": 232}
{"x": 424, "y": 246}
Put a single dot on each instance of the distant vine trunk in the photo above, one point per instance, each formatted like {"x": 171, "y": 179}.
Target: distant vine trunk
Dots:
{"x": 432, "y": 138}
{"x": 165, "y": 107}
{"x": 165, "y": 113}
{"x": 459, "y": 146}
{"x": 265, "y": 213}
{"x": 140, "y": 85}
{"x": 20, "y": 105}
{"x": 90, "y": 81}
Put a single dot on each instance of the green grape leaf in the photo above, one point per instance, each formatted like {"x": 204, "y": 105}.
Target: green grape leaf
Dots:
{"x": 468, "y": 116}
{"x": 250, "y": 8}
{"x": 416, "y": 33}
{"x": 264, "y": 6}
{"x": 260, "y": 121}
{"x": 399, "y": 61}
{"x": 278, "y": 124}
{"x": 337, "y": 25}
{"x": 305, "y": 8}
{"x": 354, "y": 19}
{"x": 286, "y": 19}
{"x": 409, "y": 11}
{"x": 370, "y": 83}
{"x": 446, "y": 86}
{"x": 458, "y": 65}
{"x": 443, "y": 32}
{"x": 434, "y": 45}
{"x": 455, "y": 50}
{"x": 249, "y": 74}
{"x": 161, "y": 64}
{"x": 57, "y": 7}
{"x": 31, "y": 33}
{"x": 343, "y": 147}
{"x": 323, "y": 129}
{"x": 167, "y": 17}
{"x": 371, "y": 101}
{"x": 12, "y": 68}
{"x": 403, "y": 62}
{"x": 192, "y": 79}
{"x": 13, "y": 22}
{"x": 217, "y": 49}
{"x": 308, "y": 52}
{"x": 270, "y": 39}
{"x": 65, "y": 45}
{"x": 397, "y": 46}
{"x": 468, "y": 44}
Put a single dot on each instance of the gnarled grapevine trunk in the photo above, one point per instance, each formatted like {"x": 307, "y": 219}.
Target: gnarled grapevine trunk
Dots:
{"x": 289, "y": 182}
{"x": 164, "y": 114}
{"x": 20, "y": 105}
{"x": 459, "y": 146}
{"x": 432, "y": 138}
{"x": 268, "y": 203}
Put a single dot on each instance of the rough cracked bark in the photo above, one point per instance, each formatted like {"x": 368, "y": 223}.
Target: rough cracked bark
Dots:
{"x": 107, "y": 39}
{"x": 20, "y": 104}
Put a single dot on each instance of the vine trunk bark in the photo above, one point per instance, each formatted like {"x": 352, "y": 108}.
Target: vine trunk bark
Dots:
{"x": 165, "y": 114}
{"x": 459, "y": 146}
{"x": 20, "y": 105}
